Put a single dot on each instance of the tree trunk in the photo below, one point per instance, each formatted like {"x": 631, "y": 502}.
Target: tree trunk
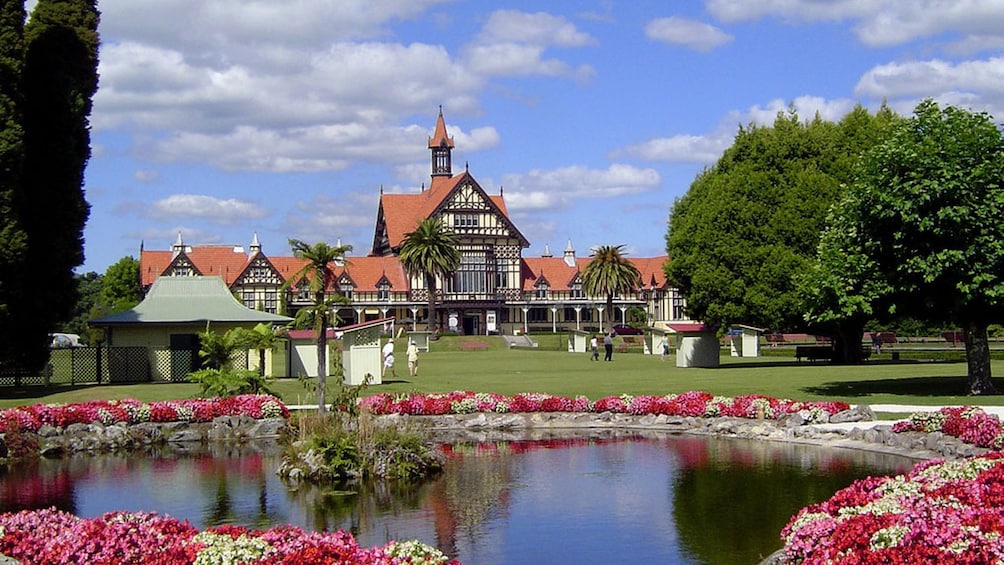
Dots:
{"x": 433, "y": 323}
{"x": 847, "y": 342}
{"x": 322, "y": 361}
{"x": 977, "y": 359}
{"x": 609, "y": 311}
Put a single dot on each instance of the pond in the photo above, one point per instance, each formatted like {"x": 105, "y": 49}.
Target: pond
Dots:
{"x": 660, "y": 498}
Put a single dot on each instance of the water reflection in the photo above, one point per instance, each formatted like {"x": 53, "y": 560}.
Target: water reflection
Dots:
{"x": 540, "y": 499}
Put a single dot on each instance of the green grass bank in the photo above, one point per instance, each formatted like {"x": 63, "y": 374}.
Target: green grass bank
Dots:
{"x": 917, "y": 379}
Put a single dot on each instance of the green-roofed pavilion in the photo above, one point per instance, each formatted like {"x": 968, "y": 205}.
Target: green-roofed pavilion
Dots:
{"x": 167, "y": 322}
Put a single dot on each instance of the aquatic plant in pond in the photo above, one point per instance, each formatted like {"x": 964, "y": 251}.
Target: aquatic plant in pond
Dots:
{"x": 52, "y": 536}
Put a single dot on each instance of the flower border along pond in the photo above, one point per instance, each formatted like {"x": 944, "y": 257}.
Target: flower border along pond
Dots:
{"x": 942, "y": 511}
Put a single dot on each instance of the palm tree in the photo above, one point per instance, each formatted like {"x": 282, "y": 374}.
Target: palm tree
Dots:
{"x": 320, "y": 276}
{"x": 609, "y": 273}
{"x": 263, "y": 338}
{"x": 430, "y": 250}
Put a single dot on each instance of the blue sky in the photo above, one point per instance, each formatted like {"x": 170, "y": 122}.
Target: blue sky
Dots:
{"x": 220, "y": 119}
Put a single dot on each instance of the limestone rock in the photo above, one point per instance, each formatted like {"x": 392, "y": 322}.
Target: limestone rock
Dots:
{"x": 861, "y": 413}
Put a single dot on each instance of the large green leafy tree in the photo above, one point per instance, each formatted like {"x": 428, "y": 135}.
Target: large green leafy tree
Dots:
{"x": 748, "y": 227}
{"x": 118, "y": 291}
{"x": 58, "y": 79}
{"x": 609, "y": 273}
{"x": 13, "y": 239}
{"x": 319, "y": 273}
{"x": 430, "y": 251}
{"x": 88, "y": 291}
{"x": 928, "y": 202}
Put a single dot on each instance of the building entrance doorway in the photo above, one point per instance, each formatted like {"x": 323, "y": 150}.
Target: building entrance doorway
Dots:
{"x": 472, "y": 324}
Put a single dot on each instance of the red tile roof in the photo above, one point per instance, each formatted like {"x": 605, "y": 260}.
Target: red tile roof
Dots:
{"x": 228, "y": 264}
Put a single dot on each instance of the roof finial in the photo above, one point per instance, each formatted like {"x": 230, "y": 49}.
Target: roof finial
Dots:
{"x": 500, "y": 190}
{"x": 381, "y": 190}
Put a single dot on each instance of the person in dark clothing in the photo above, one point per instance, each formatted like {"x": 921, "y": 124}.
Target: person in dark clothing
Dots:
{"x": 608, "y": 346}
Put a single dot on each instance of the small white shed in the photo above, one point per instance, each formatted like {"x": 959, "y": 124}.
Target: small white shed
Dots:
{"x": 578, "y": 341}
{"x": 745, "y": 341}
{"x": 421, "y": 340}
{"x": 696, "y": 345}
{"x": 653, "y": 340}
{"x": 361, "y": 352}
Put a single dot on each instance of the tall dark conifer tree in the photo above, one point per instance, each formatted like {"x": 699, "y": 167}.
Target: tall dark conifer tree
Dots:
{"x": 13, "y": 239}
{"x": 59, "y": 80}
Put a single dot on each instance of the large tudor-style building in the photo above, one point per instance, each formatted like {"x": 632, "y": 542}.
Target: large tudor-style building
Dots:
{"x": 495, "y": 290}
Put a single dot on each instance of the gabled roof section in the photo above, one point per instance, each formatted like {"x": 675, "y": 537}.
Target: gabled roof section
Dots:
{"x": 652, "y": 271}
{"x": 368, "y": 272}
{"x": 259, "y": 270}
{"x": 224, "y": 261}
{"x": 400, "y": 214}
{"x": 186, "y": 300}
{"x": 558, "y": 275}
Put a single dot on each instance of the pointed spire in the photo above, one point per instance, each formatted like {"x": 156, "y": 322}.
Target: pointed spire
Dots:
{"x": 441, "y": 146}
{"x": 179, "y": 245}
{"x": 547, "y": 250}
{"x": 255, "y": 246}
{"x": 440, "y": 138}
{"x": 570, "y": 254}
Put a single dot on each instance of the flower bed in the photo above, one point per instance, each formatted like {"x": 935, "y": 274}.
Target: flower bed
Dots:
{"x": 129, "y": 411}
{"x": 968, "y": 423}
{"x": 943, "y": 512}
{"x": 52, "y": 536}
{"x": 694, "y": 403}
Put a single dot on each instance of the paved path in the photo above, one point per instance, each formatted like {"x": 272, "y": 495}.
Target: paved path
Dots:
{"x": 904, "y": 409}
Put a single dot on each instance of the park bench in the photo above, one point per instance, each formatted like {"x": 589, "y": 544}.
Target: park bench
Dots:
{"x": 953, "y": 337}
{"x": 628, "y": 341}
{"x": 813, "y": 353}
{"x": 473, "y": 345}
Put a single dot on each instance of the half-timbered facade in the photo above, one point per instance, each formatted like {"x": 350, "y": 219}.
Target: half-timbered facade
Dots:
{"x": 497, "y": 287}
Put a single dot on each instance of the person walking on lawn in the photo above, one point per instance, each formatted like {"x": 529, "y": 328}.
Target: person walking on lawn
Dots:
{"x": 412, "y": 358}
{"x": 608, "y": 346}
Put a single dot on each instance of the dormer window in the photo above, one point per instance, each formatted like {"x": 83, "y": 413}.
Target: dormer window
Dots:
{"x": 346, "y": 288}
{"x": 541, "y": 291}
{"x": 303, "y": 292}
{"x": 576, "y": 291}
{"x": 383, "y": 291}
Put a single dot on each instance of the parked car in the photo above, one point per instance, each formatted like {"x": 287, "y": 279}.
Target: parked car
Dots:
{"x": 622, "y": 329}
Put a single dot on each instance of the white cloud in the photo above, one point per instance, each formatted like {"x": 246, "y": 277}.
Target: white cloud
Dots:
{"x": 348, "y": 218}
{"x": 681, "y": 148}
{"x": 224, "y": 212}
{"x": 923, "y": 78}
{"x": 707, "y": 148}
{"x": 511, "y": 26}
{"x": 689, "y": 33}
{"x": 146, "y": 175}
{"x": 552, "y": 189}
{"x": 164, "y": 238}
{"x": 878, "y": 22}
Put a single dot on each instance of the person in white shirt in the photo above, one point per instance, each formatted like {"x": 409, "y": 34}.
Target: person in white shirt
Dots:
{"x": 388, "y": 359}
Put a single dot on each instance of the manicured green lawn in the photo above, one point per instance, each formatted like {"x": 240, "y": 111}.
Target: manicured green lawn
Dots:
{"x": 549, "y": 369}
